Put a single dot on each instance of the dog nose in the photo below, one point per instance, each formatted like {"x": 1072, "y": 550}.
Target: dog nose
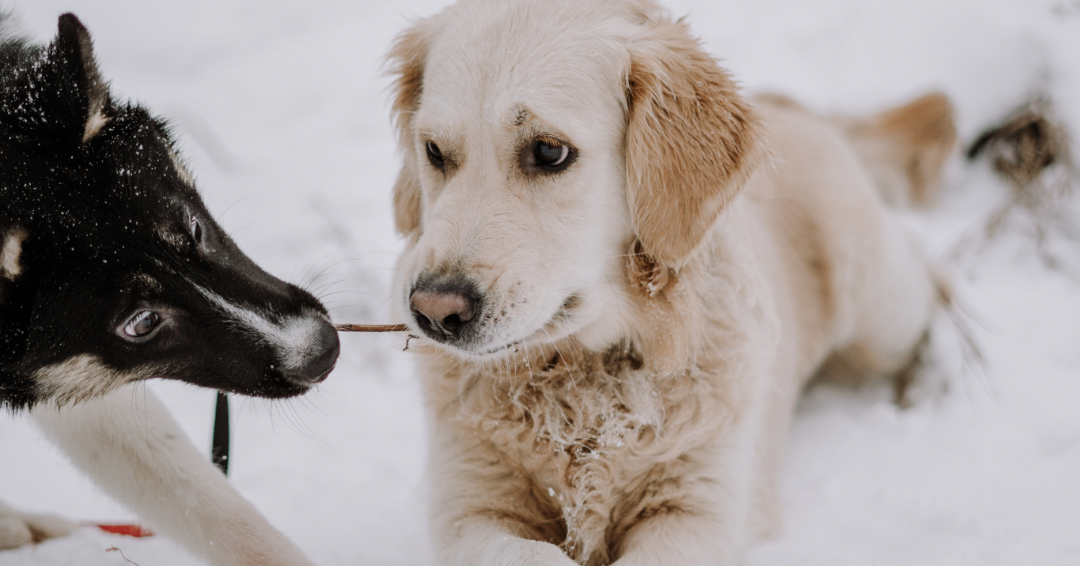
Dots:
{"x": 323, "y": 358}
{"x": 442, "y": 314}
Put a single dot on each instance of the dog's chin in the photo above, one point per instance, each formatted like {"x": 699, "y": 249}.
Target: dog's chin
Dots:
{"x": 474, "y": 353}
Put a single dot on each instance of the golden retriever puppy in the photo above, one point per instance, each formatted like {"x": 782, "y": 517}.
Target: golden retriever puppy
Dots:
{"x": 623, "y": 271}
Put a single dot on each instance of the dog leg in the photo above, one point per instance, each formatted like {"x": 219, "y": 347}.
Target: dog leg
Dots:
{"x": 698, "y": 514}
{"x": 488, "y": 543}
{"x": 18, "y": 528}
{"x": 895, "y": 303}
{"x": 494, "y": 538}
{"x": 483, "y": 510}
{"x": 686, "y": 540}
{"x": 130, "y": 447}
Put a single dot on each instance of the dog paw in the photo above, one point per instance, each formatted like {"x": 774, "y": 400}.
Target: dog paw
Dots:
{"x": 520, "y": 552}
{"x": 28, "y": 528}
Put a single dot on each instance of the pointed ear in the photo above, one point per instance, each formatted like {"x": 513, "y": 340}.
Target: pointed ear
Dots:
{"x": 691, "y": 141}
{"x": 58, "y": 97}
{"x": 406, "y": 59}
{"x": 72, "y": 53}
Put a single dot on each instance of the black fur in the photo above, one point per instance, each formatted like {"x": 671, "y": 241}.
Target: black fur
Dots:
{"x": 110, "y": 234}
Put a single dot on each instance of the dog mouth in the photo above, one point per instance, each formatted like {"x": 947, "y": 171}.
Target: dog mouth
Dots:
{"x": 502, "y": 348}
{"x": 546, "y": 332}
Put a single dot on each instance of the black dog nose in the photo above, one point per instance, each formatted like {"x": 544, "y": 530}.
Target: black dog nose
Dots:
{"x": 324, "y": 356}
{"x": 443, "y": 314}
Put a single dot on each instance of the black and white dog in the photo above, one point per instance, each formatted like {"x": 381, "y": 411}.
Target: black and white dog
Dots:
{"x": 112, "y": 272}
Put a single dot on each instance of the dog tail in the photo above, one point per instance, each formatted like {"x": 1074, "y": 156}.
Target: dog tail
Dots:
{"x": 905, "y": 148}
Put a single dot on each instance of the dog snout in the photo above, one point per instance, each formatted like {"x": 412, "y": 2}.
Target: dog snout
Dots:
{"x": 322, "y": 359}
{"x": 444, "y": 312}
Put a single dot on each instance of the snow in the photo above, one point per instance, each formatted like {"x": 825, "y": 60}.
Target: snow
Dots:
{"x": 282, "y": 114}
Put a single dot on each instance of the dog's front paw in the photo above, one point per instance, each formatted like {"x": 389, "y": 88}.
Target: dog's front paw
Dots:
{"x": 19, "y": 529}
{"x": 513, "y": 551}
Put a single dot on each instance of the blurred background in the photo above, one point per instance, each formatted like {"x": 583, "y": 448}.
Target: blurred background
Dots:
{"x": 281, "y": 111}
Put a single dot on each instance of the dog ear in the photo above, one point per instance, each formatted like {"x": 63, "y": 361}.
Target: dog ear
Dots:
{"x": 407, "y": 195}
{"x": 691, "y": 142}
{"x": 88, "y": 94}
{"x": 59, "y": 98}
{"x": 82, "y": 96}
{"x": 407, "y": 58}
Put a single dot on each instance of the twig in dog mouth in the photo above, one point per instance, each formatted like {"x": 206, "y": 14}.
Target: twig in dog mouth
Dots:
{"x": 371, "y": 327}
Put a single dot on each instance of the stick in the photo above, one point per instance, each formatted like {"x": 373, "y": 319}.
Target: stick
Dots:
{"x": 371, "y": 327}
{"x": 115, "y": 549}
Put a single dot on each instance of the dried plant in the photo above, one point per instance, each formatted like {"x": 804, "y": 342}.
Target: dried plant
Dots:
{"x": 1030, "y": 150}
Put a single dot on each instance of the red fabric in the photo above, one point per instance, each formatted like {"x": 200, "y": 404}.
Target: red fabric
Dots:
{"x": 126, "y": 530}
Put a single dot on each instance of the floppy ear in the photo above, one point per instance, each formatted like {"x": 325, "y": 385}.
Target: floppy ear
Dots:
{"x": 407, "y": 58}
{"x": 691, "y": 143}
{"x": 407, "y": 195}
{"x": 60, "y": 98}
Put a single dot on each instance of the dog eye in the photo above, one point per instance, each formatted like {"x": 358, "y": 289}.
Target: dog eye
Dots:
{"x": 143, "y": 323}
{"x": 547, "y": 155}
{"x": 196, "y": 229}
{"x": 550, "y": 154}
{"x": 435, "y": 156}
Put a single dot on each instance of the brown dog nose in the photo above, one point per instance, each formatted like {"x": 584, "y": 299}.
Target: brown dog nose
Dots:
{"x": 443, "y": 314}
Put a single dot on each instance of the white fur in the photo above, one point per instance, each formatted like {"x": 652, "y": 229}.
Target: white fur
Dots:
{"x": 294, "y": 338}
{"x": 487, "y": 222}
{"x": 10, "y": 267}
{"x": 81, "y": 377}
{"x": 647, "y": 426}
{"x": 94, "y": 124}
{"x": 133, "y": 450}
{"x": 18, "y": 528}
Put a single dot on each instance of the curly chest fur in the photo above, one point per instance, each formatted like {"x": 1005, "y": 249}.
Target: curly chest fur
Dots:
{"x": 590, "y": 431}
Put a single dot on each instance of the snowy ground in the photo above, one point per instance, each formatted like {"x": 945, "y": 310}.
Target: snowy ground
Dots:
{"x": 282, "y": 113}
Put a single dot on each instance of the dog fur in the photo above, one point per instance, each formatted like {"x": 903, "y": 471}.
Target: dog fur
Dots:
{"x": 112, "y": 271}
{"x": 614, "y": 335}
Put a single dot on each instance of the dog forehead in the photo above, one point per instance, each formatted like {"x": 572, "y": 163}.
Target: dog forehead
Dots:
{"x": 140, "y": 144}
{"x": 496, "y": 60}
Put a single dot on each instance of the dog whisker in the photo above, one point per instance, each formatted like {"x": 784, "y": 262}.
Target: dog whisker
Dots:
{"x": 561, "y": 357}
{"x": 222, "y": 214}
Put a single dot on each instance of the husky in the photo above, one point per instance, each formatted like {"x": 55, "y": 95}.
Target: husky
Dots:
{"x": 112, "y": 272}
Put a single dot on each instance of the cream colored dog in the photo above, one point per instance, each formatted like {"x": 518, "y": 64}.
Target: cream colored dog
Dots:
{"x": 624, "y": 273}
